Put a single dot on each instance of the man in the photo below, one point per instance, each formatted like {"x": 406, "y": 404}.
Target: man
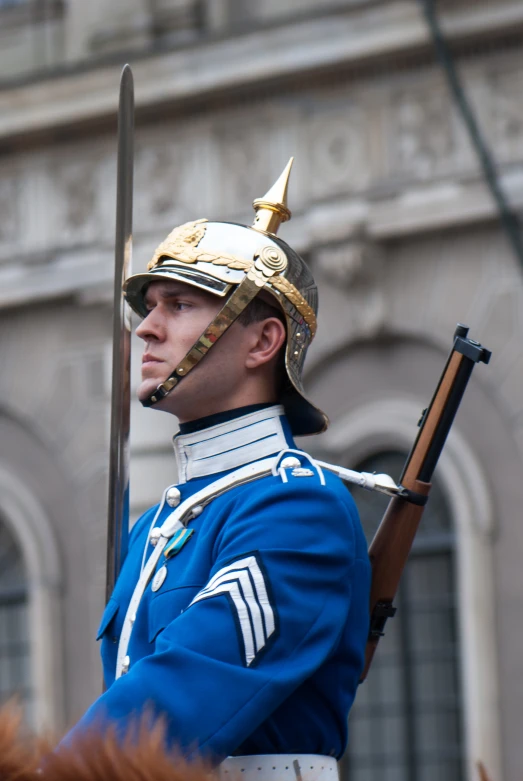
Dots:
{"x": 241, "y": 612}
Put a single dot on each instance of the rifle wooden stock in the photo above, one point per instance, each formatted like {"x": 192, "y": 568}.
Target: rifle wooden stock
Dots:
{"x": 388, "y": 555}
{"x": 391, "y": 545}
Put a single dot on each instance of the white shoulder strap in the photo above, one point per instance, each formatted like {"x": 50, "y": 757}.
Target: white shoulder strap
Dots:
{"x": 382, "y": 483}
{"x": 184, "y": 513}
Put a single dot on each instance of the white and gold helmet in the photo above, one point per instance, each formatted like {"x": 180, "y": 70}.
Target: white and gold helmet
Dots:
{"x": 236, "y": 262}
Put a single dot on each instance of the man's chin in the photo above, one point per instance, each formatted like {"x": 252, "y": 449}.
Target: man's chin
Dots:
{"x": 146, "y": 389}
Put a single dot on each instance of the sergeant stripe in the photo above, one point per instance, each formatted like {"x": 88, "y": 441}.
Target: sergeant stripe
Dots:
{"x": 243, "y": 581}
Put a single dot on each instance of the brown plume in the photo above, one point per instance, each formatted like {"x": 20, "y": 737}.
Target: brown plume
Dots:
{"x": 18, "y": 752}
{"x": 141, "y": 756}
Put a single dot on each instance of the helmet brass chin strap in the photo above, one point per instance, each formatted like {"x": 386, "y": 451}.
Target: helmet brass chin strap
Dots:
{"x": 268, "y": 263}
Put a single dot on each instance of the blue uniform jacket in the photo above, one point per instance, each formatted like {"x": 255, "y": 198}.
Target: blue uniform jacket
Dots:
{"x": 254, "y": 642}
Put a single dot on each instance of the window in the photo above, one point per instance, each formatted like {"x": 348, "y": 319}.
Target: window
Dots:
{"x": 31, "y": 37}
{"x": 406, "y": 723}
{"x": 15, "y": 676}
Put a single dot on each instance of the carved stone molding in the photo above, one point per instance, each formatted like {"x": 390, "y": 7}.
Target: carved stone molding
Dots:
{"x": 372, "y": 146}
{"x": 356, "y": 270}
{"x": 358, "y": 32}
{"x": 421, "y": 140}
{"x": 356, "y": 264}
{"x": 242, "y": 161}
{"x": 77, "y": 192}
{"x": 159, "y": 169}
{"x": 340, "y": 149}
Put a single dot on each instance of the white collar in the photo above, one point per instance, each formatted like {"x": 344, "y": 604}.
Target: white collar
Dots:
{"x": 230, "y": 445}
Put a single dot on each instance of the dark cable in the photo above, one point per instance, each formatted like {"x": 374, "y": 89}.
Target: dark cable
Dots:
{"x": 508, "y": 218}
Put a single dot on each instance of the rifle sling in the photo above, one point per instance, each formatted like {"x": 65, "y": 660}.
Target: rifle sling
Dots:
{"x": 412, "y": 497}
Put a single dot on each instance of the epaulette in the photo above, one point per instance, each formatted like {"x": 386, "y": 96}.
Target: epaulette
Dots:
{"x": 293, "y": 461}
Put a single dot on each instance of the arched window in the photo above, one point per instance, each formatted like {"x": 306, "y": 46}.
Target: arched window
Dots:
{"x": 406, "y": 723}
{"x": 15, "y": 650}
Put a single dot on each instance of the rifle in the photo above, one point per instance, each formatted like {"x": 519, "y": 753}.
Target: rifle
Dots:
{"x": 389, "y": 550}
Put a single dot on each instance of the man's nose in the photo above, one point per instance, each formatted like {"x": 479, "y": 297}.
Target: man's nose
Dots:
{"x": 151, "y": 326}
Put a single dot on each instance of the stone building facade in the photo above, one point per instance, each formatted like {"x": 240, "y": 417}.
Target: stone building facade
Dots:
{"x": 392, "y": 213}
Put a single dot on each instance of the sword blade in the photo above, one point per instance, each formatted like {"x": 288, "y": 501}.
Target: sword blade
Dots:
{"x": 118, "y": 508}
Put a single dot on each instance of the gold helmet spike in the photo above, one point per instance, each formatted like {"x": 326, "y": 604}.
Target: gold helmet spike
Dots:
{"x": 272, "y": 209}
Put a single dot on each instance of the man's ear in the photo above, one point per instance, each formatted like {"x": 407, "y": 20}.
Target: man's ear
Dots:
{"x": 268, "y": 339}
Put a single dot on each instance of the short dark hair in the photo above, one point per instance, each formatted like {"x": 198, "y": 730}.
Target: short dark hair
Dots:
{"x": 258, "y": 310}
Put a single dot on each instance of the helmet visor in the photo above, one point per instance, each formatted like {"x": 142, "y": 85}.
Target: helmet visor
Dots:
{"x": 136, "y": 286}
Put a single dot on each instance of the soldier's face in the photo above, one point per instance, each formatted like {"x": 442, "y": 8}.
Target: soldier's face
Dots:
{"x": 178, "y": 314}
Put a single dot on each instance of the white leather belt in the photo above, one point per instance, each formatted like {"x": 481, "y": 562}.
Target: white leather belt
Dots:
{"x": 279, "y": 767}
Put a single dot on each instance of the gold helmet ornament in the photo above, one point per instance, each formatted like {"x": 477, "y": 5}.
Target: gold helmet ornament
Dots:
{"x": 237, "y": 262}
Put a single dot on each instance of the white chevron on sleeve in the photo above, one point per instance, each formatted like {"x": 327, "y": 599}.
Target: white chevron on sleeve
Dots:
{"x": 243, "y": 580}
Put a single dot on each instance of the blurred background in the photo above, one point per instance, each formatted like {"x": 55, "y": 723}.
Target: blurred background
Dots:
{"x": 406, "y": 121}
